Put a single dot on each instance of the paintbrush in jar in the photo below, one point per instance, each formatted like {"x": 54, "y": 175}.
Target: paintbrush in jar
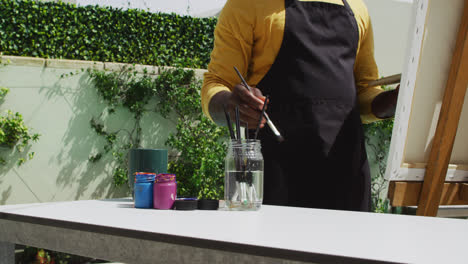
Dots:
{"x": 229, "y": 123}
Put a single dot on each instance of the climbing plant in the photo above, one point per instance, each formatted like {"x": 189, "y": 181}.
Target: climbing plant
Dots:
{"x": 378, "y": 136}
{"x": 174, "y": 94}
{"x": 14, "y": 134}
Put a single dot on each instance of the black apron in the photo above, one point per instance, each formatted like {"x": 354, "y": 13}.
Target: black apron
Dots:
{"x": 313, "y": 101}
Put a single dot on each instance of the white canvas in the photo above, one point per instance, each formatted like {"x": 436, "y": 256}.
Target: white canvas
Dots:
{"x": 429, "y": 56}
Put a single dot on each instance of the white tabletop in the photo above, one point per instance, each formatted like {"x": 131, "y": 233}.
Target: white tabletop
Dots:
{"x": 354, "y": 235}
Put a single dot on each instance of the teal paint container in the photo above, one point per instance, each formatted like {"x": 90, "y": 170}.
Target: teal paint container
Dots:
{"x": 146, "y": 160}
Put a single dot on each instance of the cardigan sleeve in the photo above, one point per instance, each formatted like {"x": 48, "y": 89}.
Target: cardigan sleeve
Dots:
{"x": 233, "y": 41}
{"x": 366, "y": 70}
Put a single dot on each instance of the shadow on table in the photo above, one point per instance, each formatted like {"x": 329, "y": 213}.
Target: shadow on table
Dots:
{"x": 125, "y": 202}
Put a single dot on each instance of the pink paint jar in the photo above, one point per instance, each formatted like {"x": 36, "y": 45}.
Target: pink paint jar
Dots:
{"x": 165, "y": 191}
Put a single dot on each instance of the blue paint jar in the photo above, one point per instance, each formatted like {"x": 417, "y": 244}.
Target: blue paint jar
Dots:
{"x": 143, "y": 189}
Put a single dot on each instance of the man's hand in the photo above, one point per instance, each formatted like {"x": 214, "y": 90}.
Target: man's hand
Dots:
{"x": 384, "y": 104}
{"x": 250, "y": 106}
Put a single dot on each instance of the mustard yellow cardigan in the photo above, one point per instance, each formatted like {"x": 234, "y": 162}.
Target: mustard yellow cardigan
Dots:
{"x": 249, "y": 35}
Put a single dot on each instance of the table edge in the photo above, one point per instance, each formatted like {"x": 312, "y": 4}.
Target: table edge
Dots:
{"x": 201, "y": 243}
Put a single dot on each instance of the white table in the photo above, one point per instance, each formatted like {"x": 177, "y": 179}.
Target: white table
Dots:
{"x": 114, "y": 230}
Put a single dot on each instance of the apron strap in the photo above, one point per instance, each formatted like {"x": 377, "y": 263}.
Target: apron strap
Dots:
{"x": 346, "y": 5}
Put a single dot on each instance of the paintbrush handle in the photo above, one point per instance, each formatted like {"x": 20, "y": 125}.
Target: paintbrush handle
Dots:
{"x": 261, "y": 116}
{"x": 238, "y": 129}
{"x": 273, "y": 128}
{"x": 242, "y": 79}
{"x": 229, "y": 123}
{"x": 271, "y": 125}
{"x": 385, "y": 81}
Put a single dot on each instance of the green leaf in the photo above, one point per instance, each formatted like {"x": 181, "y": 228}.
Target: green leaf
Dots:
{"x": 21, "y": 161}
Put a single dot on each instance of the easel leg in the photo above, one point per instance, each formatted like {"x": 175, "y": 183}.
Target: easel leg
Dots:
{"x": 446, "y": 130}
{"x": 7, "y": 253}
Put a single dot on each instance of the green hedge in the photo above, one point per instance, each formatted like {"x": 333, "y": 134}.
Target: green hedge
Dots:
{"x": 59, "y": 30}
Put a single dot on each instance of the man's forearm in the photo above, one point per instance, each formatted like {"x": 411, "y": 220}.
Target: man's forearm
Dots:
{"x": 216, "y": 107}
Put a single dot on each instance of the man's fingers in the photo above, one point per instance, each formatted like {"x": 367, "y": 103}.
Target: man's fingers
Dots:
{"x": 251, "y": 116}
{"x": 250, "y": 105}
{"x": 247, "y": 97}
{"x": 258, "y": 93}
{"x": 246, "y": 110}
{"x": 252, "y": 123}
{"x": 247, "y": 116}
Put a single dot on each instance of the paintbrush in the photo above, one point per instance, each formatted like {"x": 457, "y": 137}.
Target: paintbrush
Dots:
{"x": 238, "y": 128}
{"x": 236, "y": 154}
{"x": 385, "y": 81}
{"x": 228, "y": 121}
{"x": 246, "y": 131}
{"x": 241, "y": 162}
{"x": 261, "y": 117}
{"x": 273, "y": 128}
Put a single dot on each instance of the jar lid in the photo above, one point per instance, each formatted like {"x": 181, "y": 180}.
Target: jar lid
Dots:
{"x": 208, "y": 204}
{"x": 144, "y": 176}
{"x": 165, "y": 177}
{"x": 185, "y": 204}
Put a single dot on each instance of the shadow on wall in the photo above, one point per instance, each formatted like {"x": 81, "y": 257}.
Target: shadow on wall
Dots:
{"x": 95, "y": 179}
{"x": 11, "y": 157}
{"x": 6, "y": 154}
{"x": 5, "y": 194}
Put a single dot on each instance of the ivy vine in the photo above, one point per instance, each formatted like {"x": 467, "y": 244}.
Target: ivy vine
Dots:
{"x": 14, "y": 134}
{"x": 175, "y": 95}
{"x": 378, "y": 136}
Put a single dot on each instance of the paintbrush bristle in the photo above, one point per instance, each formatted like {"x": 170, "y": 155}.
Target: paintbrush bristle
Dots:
{"x": 280, "y": 138}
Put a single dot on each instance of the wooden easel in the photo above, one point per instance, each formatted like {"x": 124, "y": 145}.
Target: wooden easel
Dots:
{"x": 434, "y": 191}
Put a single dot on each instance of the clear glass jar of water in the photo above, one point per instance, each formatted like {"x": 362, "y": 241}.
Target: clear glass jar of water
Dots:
{"x": 243, "y": 184}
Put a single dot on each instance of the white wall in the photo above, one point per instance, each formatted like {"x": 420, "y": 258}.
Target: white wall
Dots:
{"x": 390, "y": 20}
{"x": 60, "y": 110}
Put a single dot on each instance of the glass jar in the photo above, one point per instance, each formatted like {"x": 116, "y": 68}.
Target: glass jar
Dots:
{"x": 143, "y": 191}
{"x": 243, "y": 183}
{"x": 165, "y": 191}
